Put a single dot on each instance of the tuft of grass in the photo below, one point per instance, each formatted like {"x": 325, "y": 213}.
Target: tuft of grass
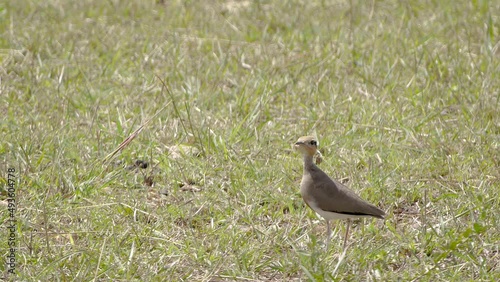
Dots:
{"x": 402, "y": 95}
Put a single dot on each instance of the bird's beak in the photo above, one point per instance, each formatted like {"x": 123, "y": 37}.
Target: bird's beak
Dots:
{"x": 297, "y": 145}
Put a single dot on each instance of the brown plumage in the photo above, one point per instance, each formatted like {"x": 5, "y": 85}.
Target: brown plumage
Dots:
{"x": 327, "y": 197}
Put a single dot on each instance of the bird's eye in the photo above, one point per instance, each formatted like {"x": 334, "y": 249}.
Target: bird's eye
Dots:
{"x": 313, "y": 142}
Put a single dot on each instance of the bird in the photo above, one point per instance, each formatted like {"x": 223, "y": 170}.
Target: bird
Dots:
{"x": 327, "y": 197}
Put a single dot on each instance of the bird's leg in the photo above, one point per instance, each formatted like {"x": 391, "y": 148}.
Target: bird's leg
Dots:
{"x": 347, "y": 233}
{"x": 328, "y": 233}
{"x": 328, "y": 230}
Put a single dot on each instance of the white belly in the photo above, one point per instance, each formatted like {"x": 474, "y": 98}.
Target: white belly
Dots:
{"x": 328, "y": 215}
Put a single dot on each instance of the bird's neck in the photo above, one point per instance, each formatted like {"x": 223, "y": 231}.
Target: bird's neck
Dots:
{"x": 308, "y": 162}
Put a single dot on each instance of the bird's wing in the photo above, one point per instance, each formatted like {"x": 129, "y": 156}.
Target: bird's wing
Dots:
{"x": 345, "y": 201}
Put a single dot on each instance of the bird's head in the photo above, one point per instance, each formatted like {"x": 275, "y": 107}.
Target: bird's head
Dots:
{"x": 307, "y": 145}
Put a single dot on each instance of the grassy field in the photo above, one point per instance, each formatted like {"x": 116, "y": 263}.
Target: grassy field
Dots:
{"x": 403, "y": 96}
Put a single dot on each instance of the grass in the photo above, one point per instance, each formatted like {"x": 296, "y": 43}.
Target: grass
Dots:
{"x": 403, "y": 95}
